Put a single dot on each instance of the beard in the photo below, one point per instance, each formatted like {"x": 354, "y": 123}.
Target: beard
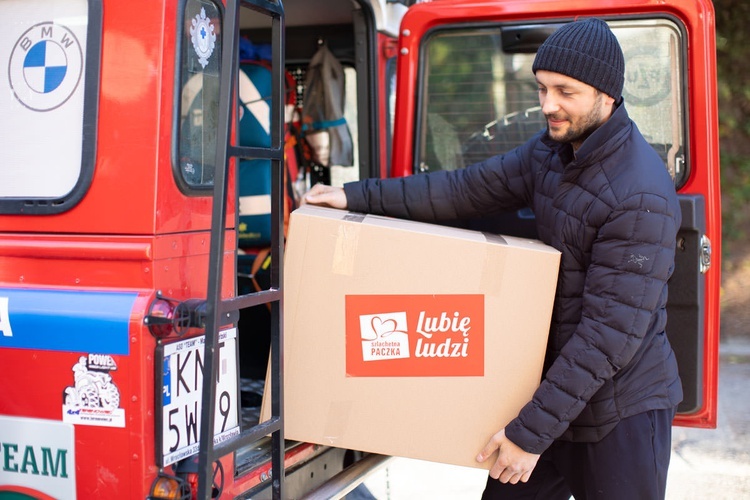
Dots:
{"x": 580, "y": 128}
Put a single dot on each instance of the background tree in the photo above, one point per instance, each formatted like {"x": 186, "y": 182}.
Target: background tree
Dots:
{"x": 733, "y": 53}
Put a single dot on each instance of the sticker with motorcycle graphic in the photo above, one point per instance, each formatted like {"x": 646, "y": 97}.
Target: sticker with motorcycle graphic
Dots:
{"x": 93, "y": 399}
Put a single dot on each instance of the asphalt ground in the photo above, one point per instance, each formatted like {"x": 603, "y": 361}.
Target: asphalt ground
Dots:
{"x": 706, "y": 463}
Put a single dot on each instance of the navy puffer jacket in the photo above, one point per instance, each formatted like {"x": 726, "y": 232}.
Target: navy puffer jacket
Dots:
{"x": 612, "y": 210}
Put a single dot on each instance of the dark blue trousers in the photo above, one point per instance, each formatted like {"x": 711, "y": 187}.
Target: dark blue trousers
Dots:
{"x": 630, "y": 463}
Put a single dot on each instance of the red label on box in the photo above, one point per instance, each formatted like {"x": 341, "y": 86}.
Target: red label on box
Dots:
{"x": 414, "y": 335}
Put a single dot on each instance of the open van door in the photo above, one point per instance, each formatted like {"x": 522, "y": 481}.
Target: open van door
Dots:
{"x": 466, "y": 92}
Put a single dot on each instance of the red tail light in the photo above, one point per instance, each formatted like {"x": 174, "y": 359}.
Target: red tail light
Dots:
{"x": 160, "y": 318}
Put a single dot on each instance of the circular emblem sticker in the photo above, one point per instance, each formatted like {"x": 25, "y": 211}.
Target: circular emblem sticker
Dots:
{"x": 647, "y": 77}
{"x": 45, "y": 66}
{"x": 203, "y": 37}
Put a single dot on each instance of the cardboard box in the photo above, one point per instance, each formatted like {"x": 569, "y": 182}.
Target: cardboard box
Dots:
{"x": 410, "y": 339}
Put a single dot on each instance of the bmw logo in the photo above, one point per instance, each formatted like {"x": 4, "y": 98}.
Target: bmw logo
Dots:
{"x": 45, "y": 66}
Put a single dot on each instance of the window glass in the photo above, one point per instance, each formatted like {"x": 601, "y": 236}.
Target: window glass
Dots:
{"x": 46, "y": 158}
{"x": 200, "y": 60}
{"x": 653, "y": 87}
{"x": 480, "y": 97}
{"x": 341, "y": 175}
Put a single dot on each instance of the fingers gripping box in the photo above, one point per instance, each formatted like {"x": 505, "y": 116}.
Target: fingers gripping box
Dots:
{"x": 410, "y": 339}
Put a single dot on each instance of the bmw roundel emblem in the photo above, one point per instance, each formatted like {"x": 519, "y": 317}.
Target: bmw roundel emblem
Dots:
{"x": 45, "y": 66}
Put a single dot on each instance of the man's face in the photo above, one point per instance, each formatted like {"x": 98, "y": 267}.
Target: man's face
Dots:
{"x": 573, "y": 109}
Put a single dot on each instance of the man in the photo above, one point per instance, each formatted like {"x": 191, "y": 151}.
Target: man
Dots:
{"x": 599, "y": 426}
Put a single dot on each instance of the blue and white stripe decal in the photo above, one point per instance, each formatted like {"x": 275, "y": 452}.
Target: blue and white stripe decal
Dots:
{"x": 59, "y": 320}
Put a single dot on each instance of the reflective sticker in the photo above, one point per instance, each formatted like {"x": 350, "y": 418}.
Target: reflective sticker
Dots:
{"x": 203, "y": 37}
{"x": 45, "y": 66}
{"x": 5, "y": 328}
{"x": 63, "y": 320}
{"x": 38, "y": 458}
{"x": 93, "y": 399}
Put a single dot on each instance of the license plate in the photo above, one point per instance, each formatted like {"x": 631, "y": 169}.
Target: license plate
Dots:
{"x": 182, "y": 384}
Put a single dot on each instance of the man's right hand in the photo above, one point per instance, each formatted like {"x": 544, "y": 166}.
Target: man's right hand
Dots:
{"x": 327, "y": 196}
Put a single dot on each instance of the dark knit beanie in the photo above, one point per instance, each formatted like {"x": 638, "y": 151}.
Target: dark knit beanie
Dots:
{"x": 587, "y": 51}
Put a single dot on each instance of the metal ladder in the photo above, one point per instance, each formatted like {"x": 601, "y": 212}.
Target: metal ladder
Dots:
{"x": 218, "y": 308}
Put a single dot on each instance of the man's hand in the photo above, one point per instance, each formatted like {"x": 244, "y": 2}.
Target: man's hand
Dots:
{"x": 512, "y": 464}
{"x": 328, "y": 196}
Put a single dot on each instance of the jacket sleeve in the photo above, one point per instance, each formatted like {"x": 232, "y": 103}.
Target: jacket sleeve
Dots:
{"x": 499, "y": 183}
{"x": 625, "y": 287}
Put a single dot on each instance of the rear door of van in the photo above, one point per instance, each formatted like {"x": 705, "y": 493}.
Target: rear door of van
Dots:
{"x": 466, "y": 92}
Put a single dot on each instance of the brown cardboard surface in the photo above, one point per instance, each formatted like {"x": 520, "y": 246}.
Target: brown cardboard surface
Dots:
{"x": 393, "y": 265}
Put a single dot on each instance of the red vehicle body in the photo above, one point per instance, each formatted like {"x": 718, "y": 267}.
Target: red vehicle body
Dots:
{"x": 114, "y": 258}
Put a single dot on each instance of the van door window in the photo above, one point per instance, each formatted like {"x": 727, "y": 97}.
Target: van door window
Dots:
{"x": 200, "y": 63}
{"x": 48, "y": 97}
{"x": 480, "y": 96}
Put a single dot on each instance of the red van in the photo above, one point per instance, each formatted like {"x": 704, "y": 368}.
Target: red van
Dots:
{"x": 150, "y": 152}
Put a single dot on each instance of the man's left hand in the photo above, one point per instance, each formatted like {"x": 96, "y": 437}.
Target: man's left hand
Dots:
{"x": 512, "y": 464}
